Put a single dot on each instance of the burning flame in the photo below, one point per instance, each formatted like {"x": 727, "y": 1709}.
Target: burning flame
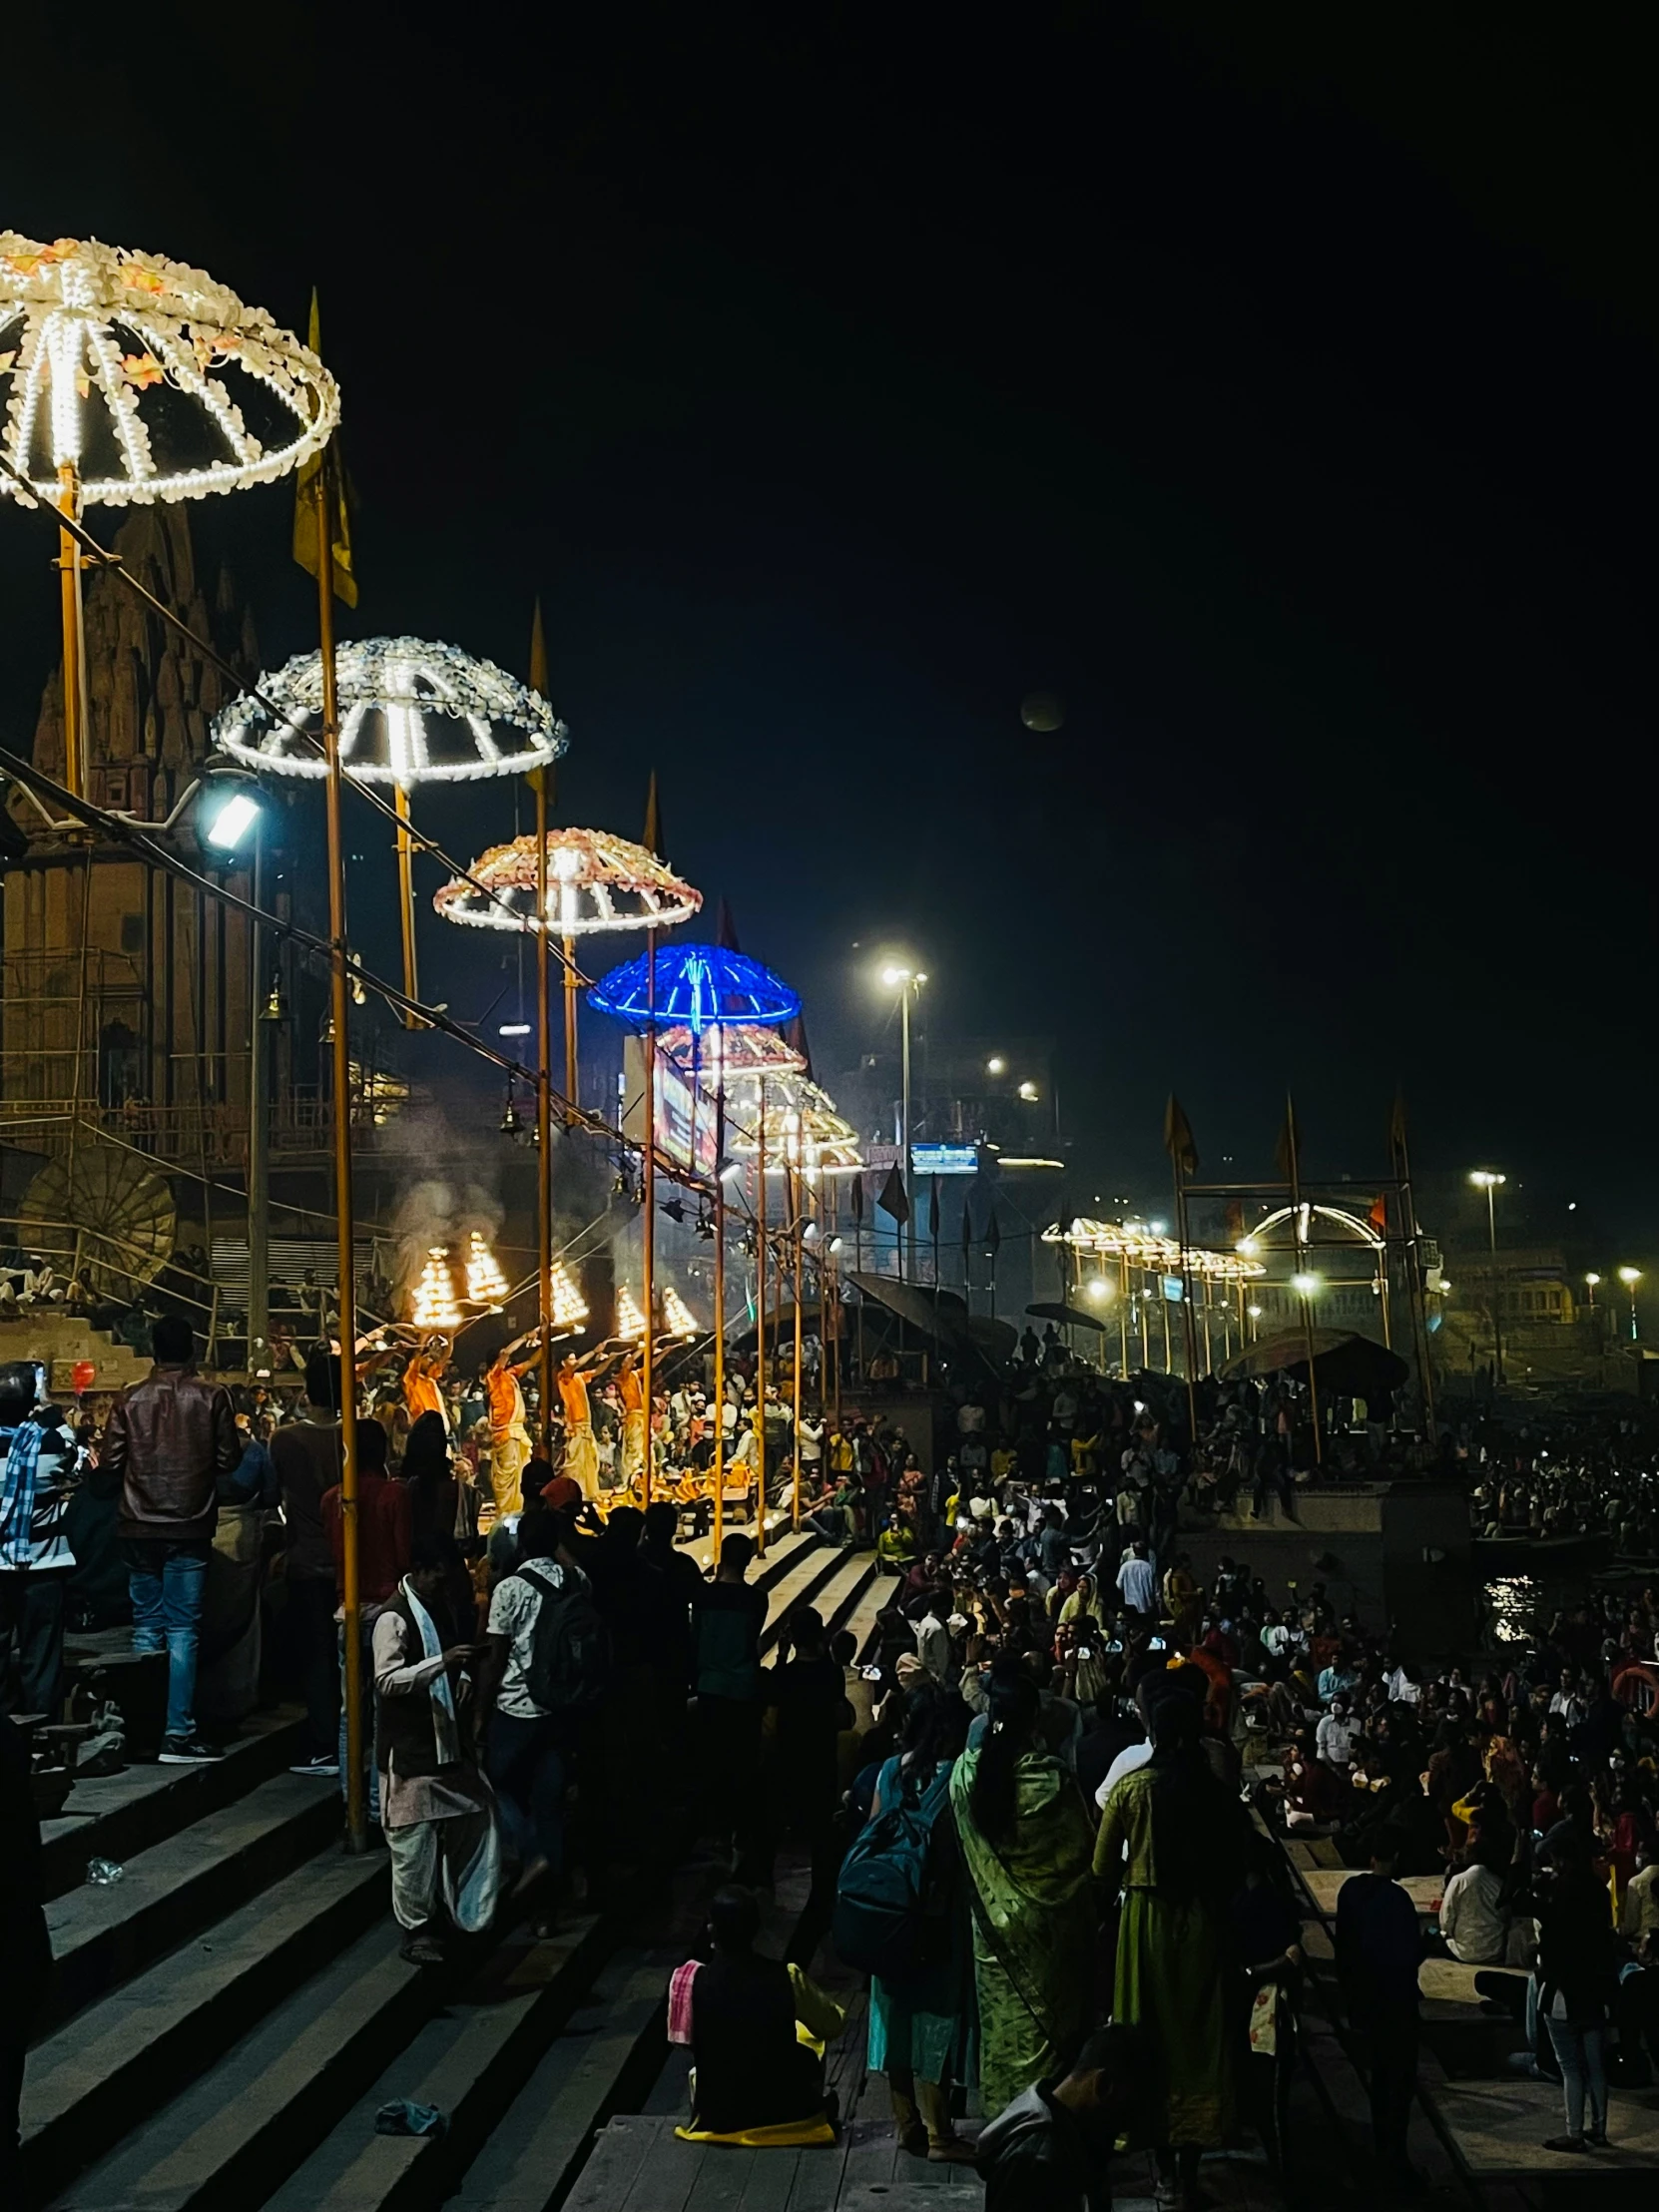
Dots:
{"x": 678, "y": 1318}
{"x": 485, "y": 1282}
{"x": 569, "y": 1306}
{"x": 435, "y": 1297}
{"x": 630, "y": 1321}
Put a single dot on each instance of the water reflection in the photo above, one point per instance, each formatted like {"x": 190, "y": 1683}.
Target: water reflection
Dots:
{"x": 1513, "y": 1603}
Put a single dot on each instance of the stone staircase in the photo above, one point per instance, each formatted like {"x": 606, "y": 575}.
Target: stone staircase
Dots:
{"x": 225, "y": 2020}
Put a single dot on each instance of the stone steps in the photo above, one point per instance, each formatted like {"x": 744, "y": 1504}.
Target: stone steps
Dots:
{"x": 103, "y": 1936}
{"x": 118, "y": 1815}
{"x": 130, "y": 2053}
{"x": 230, "y": 2016}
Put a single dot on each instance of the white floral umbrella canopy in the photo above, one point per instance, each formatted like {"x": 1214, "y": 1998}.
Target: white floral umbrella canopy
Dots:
{"x": 411, "y": 713}
{"x": 148, "y": 378}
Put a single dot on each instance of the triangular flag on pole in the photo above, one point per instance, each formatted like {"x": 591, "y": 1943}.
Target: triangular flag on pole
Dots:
{"x": 933, "y": 1209}
{"x": 795, "y": 1036}
{"x": 653, "y": 838}
{"x": 993, "y": 1234}
{"x": 967, "y": 1225}
{"x": 538, "y": 652}
{"x": 726, "y": 928}
{"x": 538, "y": 683}
{"x": 856, "y": 1198}
{"x": 305, "y": 502}
{"x": 1288, "y": 1152}
{"x": 892, "y": 1199}
{"x": 1396, "y": 1128}
{"x": 1178, "y": 1137}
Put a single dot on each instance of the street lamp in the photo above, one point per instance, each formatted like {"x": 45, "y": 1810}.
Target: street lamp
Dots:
{"x": 1630, "y": 1277}
{"x": 1590, "y": 1282}
{"x": 1485, "y": 1179}
{"x": 907, "y": 982}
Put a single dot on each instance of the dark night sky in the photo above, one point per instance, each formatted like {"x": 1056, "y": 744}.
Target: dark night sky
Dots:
{"x": 1279, "y": 394}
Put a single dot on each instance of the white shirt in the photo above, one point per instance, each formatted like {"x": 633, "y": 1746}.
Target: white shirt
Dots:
{"x": 1474, "y": 1928}
{"x": 933, "y": 1646}
{"x": 1333, "y": 1740}
{"x": 1126, "y": 1762}
{"x": 1138, "y": 1584}
{"x": 514, "y": 1604}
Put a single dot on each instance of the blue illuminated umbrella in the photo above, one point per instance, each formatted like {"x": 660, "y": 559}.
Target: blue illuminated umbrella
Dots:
{"x": 697, "y": 988}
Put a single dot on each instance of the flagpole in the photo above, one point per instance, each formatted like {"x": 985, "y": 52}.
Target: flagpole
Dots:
{"x": 1414, "y": 1258}
{"x": 1293, "y": 1148}
{"x": 357, "y": 1808}
{"x": 1187, "y": 1332}
{"x": 544, "y": 1120}
{"x": 568, "y": 944}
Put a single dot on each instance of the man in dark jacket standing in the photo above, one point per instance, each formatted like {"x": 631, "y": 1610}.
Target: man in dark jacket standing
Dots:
{"x": 169, "y": 1439}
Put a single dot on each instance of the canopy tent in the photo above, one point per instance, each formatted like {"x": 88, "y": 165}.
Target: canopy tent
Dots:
{"x": 1342, "y": 1360}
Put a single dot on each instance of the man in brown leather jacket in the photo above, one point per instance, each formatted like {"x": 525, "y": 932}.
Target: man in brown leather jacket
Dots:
{"x": 170, "y": 1439}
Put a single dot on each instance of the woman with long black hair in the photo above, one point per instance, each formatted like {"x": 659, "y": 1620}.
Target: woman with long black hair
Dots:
{"x": 1175, "y": 1838}
{"x": 1024, "y": 1838}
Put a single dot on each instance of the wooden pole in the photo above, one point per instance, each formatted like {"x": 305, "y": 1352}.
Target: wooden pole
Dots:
{"x": 569, "y": 944}
{"x": 356, "y": 1809}
{"x": 544, "y": 1123}
{"x": 760, "y": 1317}
{"x": 69, "y": 581}
{"x": 647, "y": 1348}
{"x": 405, "y": 900}
{"x": 720, "y": 1308}
{"x": 800, "y": 1270}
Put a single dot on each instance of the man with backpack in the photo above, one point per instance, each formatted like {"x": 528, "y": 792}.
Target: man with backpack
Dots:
{"x": 545, "y": 1667}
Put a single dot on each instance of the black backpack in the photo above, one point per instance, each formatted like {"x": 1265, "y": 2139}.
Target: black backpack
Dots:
{"x": 570, "y": 1646}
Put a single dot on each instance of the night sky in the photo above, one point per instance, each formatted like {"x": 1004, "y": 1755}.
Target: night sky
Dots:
{"x": 1279, "y": 394}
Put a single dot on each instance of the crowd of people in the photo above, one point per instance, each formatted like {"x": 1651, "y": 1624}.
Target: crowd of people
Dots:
{"x": 1045, "y": 1811}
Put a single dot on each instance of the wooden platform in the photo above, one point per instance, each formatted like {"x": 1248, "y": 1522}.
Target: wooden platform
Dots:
{"x": 639, "y": 2164}
{"x": 1497, "y": 2129}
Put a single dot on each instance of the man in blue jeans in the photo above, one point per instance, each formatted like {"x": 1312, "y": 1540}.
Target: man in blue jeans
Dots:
{"x": 169, "y": 1439}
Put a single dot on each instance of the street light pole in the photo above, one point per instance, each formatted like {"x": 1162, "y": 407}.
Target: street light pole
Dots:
{"x": 1488, "y": 1179}
{"x": 907, "y": 1234}
{"x": 1630, "y": 1277}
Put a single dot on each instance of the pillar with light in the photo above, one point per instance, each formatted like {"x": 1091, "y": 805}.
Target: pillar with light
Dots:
{"x": 1630, "y": 1277}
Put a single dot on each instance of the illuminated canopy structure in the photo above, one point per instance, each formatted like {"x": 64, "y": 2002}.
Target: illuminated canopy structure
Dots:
{"x": 697, "y": 987}
{"x": 1142, "y": 1247}
{"x": 146, "y": 378}
{"x": 736, "y": 1050}
{"x": 411, "y": 713}
{"x": 595, "y": 882}
{"x": 802, "y": 1128}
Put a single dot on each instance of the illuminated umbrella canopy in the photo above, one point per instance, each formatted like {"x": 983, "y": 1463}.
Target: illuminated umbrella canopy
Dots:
{"x": 697, "y": 987}
{"x": 734, "y": 1052}
{"x": 595, "y": 882}
{"x": 411, "y": 713}
{"x": 148, "y": 378}
{"x": 801, "y": 1129}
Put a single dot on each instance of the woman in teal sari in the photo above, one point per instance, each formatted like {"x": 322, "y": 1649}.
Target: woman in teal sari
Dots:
{"x": 1175, "y": 1839}
{"x": 1025, "y": 1846}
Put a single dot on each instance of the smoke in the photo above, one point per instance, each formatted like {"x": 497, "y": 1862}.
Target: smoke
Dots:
{"x": 440, "y": 1212}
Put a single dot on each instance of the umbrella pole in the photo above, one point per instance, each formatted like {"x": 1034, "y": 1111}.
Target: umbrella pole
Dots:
{"x": 647, "y": 1262}
{"x": 1189, "y": 1333}
{"x": 544, "y": 1128}
{"x": 406, "y": 902}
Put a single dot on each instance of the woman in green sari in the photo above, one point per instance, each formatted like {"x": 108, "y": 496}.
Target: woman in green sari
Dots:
{"x": 1175, "y": 1839}
{"x": 1024, "y": 1838}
